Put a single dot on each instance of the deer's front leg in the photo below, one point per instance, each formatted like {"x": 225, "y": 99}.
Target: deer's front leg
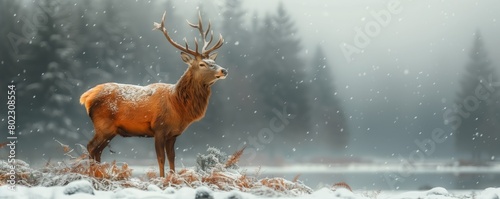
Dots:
{"x": 171, "y": 152}
{"x": 160, "y": 153}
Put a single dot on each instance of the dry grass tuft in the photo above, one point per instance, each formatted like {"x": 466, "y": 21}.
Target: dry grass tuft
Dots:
{"x": 281, "y": 185}
{"x": 81, "y": 165}
{"x": 184, "y": 177}
{"x": 244, "y": 182}
{"x": 65, "y": 147}
{"x": 278, "y": 184}
{"x": 342, "y": 185}
{"x": 296, "y": 178}
{"x": 218, "y": 179}
{"x": 234, "y": 158}
{"x": 150, "y": 174}
{"x": 2, "y": 145}
{"x": 172, "y": 179}
{"x": 188, "y": 176}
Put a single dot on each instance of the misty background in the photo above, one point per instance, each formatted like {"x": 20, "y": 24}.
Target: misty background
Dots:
{"x": 404, "y": 76}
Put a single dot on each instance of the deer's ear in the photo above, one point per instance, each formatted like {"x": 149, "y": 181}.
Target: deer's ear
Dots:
{"x": 213, "y": 56}
{"x": 186, "y": 58}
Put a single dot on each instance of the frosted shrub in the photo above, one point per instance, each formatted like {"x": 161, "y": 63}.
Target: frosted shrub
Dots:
{"x": 213, "y": 159}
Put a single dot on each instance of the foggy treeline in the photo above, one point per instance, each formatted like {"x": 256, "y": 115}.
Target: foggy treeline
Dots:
{"x": 76, "y": 45}
{"x": 55, "y": 50}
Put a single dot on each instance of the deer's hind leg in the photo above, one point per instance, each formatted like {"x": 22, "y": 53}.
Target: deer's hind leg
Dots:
{"x": 103, "y": 135}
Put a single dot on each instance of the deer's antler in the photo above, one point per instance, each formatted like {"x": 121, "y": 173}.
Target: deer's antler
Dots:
{"x": 161, "y": 27}
{"x": 204, "y": 51}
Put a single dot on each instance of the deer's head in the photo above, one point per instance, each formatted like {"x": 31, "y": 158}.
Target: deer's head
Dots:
{"x": 200, "y": 64}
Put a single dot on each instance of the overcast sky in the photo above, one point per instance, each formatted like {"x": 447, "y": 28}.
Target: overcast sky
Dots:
{"x": 421, "y": 36}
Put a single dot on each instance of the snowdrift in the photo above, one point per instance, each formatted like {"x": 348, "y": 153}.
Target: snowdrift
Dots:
{"x": 84, "y": 189}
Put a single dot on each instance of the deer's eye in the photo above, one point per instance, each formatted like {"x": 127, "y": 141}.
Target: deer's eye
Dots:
{"x": 203, "y": 65}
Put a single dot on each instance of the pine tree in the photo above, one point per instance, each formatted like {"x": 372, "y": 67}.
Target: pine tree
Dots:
{"x": 479, "y": 132}
{"x": 13, "y": 41}
{"x": 281, "y": 77}
{"x": 52, "y": 76}
{"x": 331, "y": 124}
{"x": 16, "y": 49}
{"x": 11, "y": 33}
{"x": 234, "y": 56}
{"x": 111, "y": 52}
{"x": 106, "y": 48}
{"x": 12, "y": 49}
{"x": 235, "y": 34}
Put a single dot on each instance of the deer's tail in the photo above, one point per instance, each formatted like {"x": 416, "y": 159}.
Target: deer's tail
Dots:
{"x": 88, "y": 98}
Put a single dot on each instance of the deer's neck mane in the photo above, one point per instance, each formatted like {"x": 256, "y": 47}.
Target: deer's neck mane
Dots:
{"x": 192, "y": 96}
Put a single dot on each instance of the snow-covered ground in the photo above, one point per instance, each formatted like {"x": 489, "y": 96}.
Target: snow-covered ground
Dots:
{"x": 84, "y": 190}
{"x": 214, "y": 178}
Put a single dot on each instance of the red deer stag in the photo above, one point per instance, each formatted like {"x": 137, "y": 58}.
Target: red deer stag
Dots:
{"x": 162, "y": 111}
